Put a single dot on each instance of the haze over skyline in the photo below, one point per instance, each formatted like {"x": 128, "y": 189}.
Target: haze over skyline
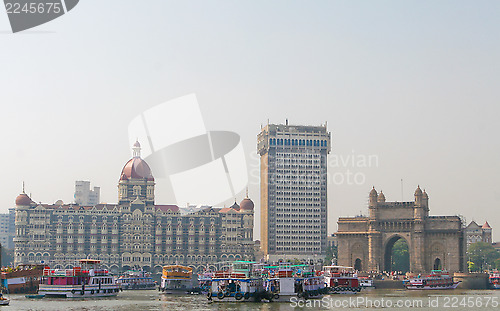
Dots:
{"x": 411, "y": 84}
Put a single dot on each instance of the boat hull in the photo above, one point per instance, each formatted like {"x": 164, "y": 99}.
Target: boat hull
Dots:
{"x": 138, "y": 287}
{"x": 436, "y": 287}
{"x": 494, "y": 286}
{"x": 344, "y": 290}
{"x": 77, "y": 292}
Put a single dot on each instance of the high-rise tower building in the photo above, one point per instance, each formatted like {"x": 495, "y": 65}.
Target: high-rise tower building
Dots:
{"x": 293, "y": 187}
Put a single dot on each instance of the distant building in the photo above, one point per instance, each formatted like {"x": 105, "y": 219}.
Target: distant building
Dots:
{"x": 293, "y": 199}
{"x": 331, "y": 240}
{"x": 475, "y": 233}
{"x": 136, "y": 232}
{"x": 7, "y": 229}
{"x": 84, "y": 196}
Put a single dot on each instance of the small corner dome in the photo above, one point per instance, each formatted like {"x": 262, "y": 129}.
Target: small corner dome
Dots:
{"x": 137, "y": 144}
{"x": 235, "y": 206}
{"x": 418, "y": 191}
{"x": 486, "y": 226}
{"x": 23, "y": 200}
{"x": 425, "y": 195}
{"x": 373, "y": 192}
{"x": 381, "y": 197}
{"x": 246, "y": 204}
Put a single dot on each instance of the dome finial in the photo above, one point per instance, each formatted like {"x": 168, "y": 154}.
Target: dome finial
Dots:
{"x": 137, "y": 149}
{"x": 246, "y": 193}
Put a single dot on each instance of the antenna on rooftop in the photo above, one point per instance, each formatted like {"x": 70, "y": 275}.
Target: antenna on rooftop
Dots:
{"x": 402, "y": 190}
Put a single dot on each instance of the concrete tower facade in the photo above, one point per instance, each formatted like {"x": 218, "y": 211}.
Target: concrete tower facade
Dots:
{"x": 293, "y": 172}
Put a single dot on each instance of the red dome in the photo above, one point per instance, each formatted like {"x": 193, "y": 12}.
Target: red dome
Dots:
{"x": 136, "y": 168}
{"x": 246, "y": 204}
{"x": 23, "y": 199}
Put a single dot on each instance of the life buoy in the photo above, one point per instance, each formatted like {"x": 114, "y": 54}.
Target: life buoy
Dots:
{"x": 73, "y": 291}
{"x": 92, "y": 292}
{"x": 238, "y": 296}
{"x": 220, "y": 295}
{"x": 358, "y": 289}
{"x": 246, "y": 296}
{"x": 82, "y": 292}
{"x": 276, "y": 296}
{"x": 209, "y": 296}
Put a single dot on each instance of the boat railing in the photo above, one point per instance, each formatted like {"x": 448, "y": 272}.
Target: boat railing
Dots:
{"x": 77, "y": 271}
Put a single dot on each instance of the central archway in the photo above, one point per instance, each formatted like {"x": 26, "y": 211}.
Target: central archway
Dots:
{"x": 397, "y": 255}
{"x": 357, "y": 264}
{"x": 437, "y": 264}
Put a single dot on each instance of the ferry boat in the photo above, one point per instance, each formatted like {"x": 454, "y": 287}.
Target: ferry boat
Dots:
{"x": 300, "y": 281}
{"x": 341, "y": 280}
{"x": 177, "y": 279}
{"x": 205, "y": 281}
{"x": 494, "y": 280}
{"x": 23, "y": 279}
{"x": 437, "y": 279}
{"x": 86, "y": 281}
{"x": 136, "y": 280}
{"x": 240, "y": 282}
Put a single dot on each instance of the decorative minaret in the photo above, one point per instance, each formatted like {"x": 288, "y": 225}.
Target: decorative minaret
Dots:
{"x": 374, "y": 235}
{"x": 420, "y": 206}
{"x": 419, "y": 213}
{"x": 372, "y": 203}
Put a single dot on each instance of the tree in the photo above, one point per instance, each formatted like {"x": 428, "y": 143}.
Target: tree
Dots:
{"x": 400, "y": 256}
{"x": 483, "y": 255}
{"x": 497, "y": 263}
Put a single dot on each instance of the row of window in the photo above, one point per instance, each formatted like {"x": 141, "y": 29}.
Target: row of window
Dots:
{"x": 297, "y": 142}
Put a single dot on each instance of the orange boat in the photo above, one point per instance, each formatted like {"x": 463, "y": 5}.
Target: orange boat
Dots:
{"x": 177, "y": 279}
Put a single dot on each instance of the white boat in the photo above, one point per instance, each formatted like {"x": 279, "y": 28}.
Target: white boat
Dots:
{"x": 366, "y": 282}
{"x": 299, "y": 281}
{"x": 437, "y": 279}
{"x": 240, "y": 283}
{"x": 136, "y": 280}
{"x": 4, "y": 301}
{"x": 86, "y": 281}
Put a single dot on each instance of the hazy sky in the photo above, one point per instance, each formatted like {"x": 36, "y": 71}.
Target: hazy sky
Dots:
{"x": 413, "y": 84}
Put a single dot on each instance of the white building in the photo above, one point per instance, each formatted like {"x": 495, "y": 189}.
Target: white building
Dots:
{"x": 7, "y": 229}
{"x": 293, "y": 191}
{"x": 84, "y": 196}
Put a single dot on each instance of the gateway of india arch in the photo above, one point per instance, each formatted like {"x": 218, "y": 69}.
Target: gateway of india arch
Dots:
{"x": 434, "y": 242}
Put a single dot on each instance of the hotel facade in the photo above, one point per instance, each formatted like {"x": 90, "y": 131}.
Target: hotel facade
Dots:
{"x": 136, "y": 232}
{"x": 293, "y": 189}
